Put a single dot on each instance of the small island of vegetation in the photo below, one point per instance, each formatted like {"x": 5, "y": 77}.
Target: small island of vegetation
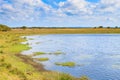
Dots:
{"x": 69, "y": 64}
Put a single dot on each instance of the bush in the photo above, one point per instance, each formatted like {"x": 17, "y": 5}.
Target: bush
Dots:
{"x": 19, "y": 73}
{"x": 100, "y": 27}
{"x": 4, "y": 28}
{"x": 65, "y": 77}
{"x": 24, "y": 27}
{"x": 1, "y": 51}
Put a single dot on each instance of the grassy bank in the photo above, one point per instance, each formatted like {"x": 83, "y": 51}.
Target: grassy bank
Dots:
{"x": 16, "y": 67}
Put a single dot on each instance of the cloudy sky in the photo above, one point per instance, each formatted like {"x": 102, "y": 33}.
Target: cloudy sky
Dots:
{"x": 67, "y": 13}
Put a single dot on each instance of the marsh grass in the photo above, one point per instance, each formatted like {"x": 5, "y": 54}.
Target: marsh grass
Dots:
{"x": 38, "y": 53}
{"x": 37, "y": 43}
{"x": 69, "y": 64}
{"x": 42, "y": 59}
{"x": 58, "y": 53}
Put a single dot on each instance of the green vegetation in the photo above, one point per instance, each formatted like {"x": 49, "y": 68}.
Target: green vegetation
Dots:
{"x": 24, "y": 27}
{"x": 4, "y": 28}
{"x": 37, "y": 42}
{"x": 31, "y": 39}
{"x": 43, "y": 59}
{"x": 38, "y": 53}
{"x": 58, "y": 52}
{"x": 69, "y": 64}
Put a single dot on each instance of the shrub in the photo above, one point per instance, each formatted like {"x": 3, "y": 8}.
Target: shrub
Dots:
{"x": 4, "y": 28}
{"x": 1, "y": 51}
{"x": 24, "y": 27}
{"x": 100, "y": 27}
{"x": 65, "y": 77}
{"x": 19, "y": 73}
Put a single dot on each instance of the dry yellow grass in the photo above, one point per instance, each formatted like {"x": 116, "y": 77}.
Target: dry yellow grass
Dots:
{"x": 67, "y": 31}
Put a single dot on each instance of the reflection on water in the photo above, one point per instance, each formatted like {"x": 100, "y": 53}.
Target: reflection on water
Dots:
{"x": 98, "y": 55}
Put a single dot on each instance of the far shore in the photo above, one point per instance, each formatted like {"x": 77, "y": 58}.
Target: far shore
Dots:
{"x": 68, "y": 31}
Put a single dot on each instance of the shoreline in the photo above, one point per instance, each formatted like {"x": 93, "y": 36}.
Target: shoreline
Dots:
{"x": 20, "y": 66}
{"x": 26, "y": 59}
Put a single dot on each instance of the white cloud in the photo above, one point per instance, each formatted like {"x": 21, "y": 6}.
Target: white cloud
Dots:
{"x": 8, "y": 7}
{"x": 110, "y": 5}
{"x": 74, "y": 6}
{"x": 70, "y": 12}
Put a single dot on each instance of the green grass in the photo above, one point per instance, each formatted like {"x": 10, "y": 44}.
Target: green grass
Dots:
{"x": 43, "y": 59}
{"x": 58, "y": 53}
{"x": 38, "y": 53}
{"x": 69, "y": 64}
{"x": 19, "y": 47}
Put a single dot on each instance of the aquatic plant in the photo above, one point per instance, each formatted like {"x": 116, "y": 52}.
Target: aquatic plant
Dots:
{"x": 43, "y": 59}
{"x": 69, "y": 64}
{"x": 38, "y": 53}
{"x": 58, "y": 52}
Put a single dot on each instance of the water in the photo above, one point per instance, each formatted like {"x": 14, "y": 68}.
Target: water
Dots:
{"x": 97, "y": 54}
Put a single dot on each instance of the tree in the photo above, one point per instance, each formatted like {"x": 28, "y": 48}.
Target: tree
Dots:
{"x": 116, "y": 26}
{"x": 108, "y": 27}
{"x": 4, "y": 28}
{"x": 23, "y": 27}
{"x": 100, "y": 27}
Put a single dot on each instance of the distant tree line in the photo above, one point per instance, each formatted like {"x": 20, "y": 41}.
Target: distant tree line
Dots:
{"x": 25, "y": 27}
{"x": 107, "y": 27}
{"x": 7, "y": 28}
{"x": 4, "y": 28}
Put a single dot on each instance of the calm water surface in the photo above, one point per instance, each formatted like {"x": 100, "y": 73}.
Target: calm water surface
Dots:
{"x": 98, "y": 55}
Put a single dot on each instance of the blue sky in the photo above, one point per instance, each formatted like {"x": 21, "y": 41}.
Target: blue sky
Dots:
{"x": 60, "y": 13}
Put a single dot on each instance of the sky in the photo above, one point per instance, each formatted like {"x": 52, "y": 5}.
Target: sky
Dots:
{"x": 60, "y": 13}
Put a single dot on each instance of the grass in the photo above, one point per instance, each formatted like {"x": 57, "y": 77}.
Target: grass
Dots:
{"x": 58, "y": 53}
{"x": 69, "y": 64}
{"x": 69, "y": 31}
{"x": 38, "y": 53}
{"x": 14, "y": 68}
{"x": 43, "y": 59}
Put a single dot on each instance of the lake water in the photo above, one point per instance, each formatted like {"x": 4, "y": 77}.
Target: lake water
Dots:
{"x": 96, "y": 55}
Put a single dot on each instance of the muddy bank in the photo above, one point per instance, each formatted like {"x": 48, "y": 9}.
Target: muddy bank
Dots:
{"x": 28, "y": 60}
